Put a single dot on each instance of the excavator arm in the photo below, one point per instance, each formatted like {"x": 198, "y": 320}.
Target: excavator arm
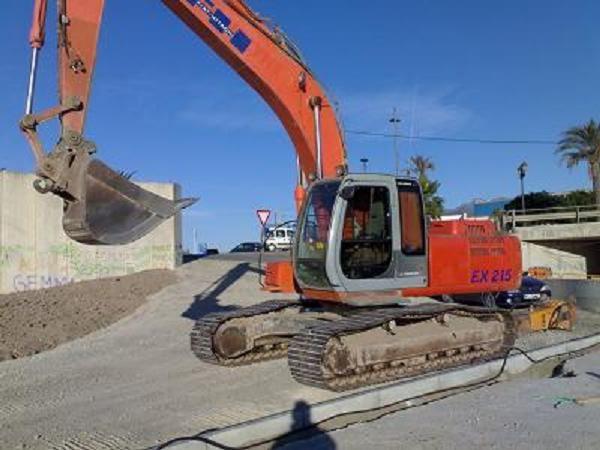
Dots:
{"x": 105, "y": 207}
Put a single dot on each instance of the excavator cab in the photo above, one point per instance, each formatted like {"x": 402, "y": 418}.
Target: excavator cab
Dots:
{"x": 362, "y": 233}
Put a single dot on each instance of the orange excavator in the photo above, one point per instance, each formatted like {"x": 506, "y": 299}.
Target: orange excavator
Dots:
{"x": 364, "y": 258}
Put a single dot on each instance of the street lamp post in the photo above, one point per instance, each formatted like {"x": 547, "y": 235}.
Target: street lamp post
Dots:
{"x": 365, "y": 162}
{"x": 521, "y": 171}
{"x": 395, "y": 121}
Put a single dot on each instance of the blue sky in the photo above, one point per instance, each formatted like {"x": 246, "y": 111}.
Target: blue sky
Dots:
{"x": 165, "y": 106}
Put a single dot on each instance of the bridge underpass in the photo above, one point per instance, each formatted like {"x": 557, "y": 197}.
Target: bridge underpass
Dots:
{"x": 577, "y": 238}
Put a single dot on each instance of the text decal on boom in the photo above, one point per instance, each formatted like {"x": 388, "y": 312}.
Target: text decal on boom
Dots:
{"x": 221, "y": 22}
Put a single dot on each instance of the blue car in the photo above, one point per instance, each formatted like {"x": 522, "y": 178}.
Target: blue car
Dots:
{"x": 531, "y": 291}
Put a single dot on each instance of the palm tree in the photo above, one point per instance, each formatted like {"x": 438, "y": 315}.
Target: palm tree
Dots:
{"x": 434, "y": 204}
{"x": 421, "y": 165}
{"x": 582, "y": 144}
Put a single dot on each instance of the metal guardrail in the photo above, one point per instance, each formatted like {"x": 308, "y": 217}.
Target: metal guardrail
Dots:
{"x": 563, "y": 214}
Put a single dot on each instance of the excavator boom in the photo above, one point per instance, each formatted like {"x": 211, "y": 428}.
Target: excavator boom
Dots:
{"x": 105, "y": 207}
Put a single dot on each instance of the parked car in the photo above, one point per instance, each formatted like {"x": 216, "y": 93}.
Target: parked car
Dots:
{"x": 531, "y": 291}
{"x": 247, "y": 247}
{"x": 279, "y": 238}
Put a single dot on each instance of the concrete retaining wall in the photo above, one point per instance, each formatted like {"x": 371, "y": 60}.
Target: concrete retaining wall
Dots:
{"x": 586, "y": 292}
{"x": 35, "y": 252}
{"x": 563, "y": 264}
{"x": 581, "y": 239}
{"x": 562, "y": 232}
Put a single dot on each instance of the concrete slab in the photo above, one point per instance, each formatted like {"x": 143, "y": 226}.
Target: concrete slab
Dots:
{"x": 518, "y": 414}
{"x": 561, "y": 232}
{"x": 277, "y": 425}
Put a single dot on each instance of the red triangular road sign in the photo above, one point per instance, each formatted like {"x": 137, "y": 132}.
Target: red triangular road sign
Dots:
{"x": 263, "y": 215}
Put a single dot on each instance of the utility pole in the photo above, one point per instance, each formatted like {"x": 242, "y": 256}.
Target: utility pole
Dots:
{"x": 521, "y": 171}
{"x": 395, "y": 121}
{"x": 365, "y": 162}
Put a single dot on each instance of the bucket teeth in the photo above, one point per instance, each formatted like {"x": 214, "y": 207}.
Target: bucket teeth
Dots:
{"x": 111, "y": 210}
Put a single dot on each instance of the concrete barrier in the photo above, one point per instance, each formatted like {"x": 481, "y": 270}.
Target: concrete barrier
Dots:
{"x": 581, "y": 239}
{"x": 586, "y": 292}
{"x": 273, "y": 426}
{"x": 35, "y": 253}
{"x": 563, "y": 264}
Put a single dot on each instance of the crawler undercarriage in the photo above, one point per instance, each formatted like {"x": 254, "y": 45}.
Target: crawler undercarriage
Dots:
{"x": 339, "y": 348}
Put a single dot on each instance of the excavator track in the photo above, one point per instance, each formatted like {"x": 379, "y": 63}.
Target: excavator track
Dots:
{"x": 308, "y": 351}
{"x": 204, "y": 330}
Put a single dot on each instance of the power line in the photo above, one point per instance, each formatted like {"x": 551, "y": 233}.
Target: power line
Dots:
{"x": 449, "y": 139}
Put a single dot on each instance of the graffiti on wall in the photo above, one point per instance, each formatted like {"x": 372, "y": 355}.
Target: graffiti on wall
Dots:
{"x": 22, "y": 268}
{"x": 103, "y": 262}
{"x": 23, "y": 282}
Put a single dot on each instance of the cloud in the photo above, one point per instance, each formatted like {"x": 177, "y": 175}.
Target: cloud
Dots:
{"x": 423, "y": 112}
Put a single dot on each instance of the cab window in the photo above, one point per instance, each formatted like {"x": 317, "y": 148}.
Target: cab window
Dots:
{"x": 366, "y": 250}
{"x": 412, "y": 224}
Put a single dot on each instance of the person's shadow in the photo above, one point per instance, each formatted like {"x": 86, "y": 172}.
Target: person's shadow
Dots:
{"x": 302, "y": 435}
{"x": 303, "y": 431}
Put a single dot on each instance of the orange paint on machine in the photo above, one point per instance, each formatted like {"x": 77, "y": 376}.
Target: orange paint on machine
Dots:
{"x": 468, "y": 257}
{"x": 465, "y": 256}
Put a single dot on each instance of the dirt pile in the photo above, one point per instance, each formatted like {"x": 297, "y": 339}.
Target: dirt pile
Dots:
{"x": 35, "y": 321}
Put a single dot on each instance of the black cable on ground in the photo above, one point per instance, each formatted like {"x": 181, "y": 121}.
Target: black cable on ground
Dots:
{"x": 451, "y": 391}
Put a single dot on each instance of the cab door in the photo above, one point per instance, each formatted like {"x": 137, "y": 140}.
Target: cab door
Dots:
{"x": 370, "y": 249}
{"x": 411, "y": 258}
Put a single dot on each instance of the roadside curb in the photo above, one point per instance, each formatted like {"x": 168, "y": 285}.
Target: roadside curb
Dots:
{"x": 272, "y": 426}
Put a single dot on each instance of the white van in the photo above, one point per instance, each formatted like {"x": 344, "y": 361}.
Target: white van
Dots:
{"x": 279, "y": 238}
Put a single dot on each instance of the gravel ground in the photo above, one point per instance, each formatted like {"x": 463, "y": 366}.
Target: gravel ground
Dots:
{"x": 518, "y": 414}
{"x": 136, "y": 383}
{"x": 586, "y": 323}
{"x": 35, "y": 321}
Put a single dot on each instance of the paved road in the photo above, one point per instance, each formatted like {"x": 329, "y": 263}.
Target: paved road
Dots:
{"x": 253, "y": 257}
{"x": 519, "y": 414}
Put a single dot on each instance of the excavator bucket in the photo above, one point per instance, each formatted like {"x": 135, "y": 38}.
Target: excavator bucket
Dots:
{"x": 112, "y": 210}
